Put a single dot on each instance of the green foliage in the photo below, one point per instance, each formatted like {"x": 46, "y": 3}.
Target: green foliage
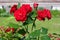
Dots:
{"x": 55, "y": 13}
{"x": 54, "y": 33}
{"x": 13, "y": 25}
{"x": 45, "y": 37}
{"x": 43, "y": 30}
{"x": 2, "y": 10}
{"x": 22, "y": 31}
{"x": 35, "y": 33}
{"x": 40, "y": 32}
{"x": 2, "y": 39}
{"x": 30, "y": 18}
{"x": 28, "y": 21}
{"x": 3, "y": 13}
{"x": 28, "y": 38}
{"x": 33, "y": 14}
{"x": 18, "y": 5}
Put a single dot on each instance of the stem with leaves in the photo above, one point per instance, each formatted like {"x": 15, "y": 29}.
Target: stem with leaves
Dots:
{"x": 38, "y": 37}
{"x": 34, "y": 25}
{"x": 27, "y": 29}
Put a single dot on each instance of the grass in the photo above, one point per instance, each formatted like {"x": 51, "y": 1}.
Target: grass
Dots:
{"x": 52, "y": 25}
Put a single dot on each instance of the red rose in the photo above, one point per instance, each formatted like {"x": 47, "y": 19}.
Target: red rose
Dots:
{"x": 27, "y": 7}
{"x": 48, "y": 13}
{"x": 58, "y": 39}
{"x": 20, "y": 15}
{"x": 35, "y": 5}
{"x": 9, "y": 29}
{"x": 13, "y": 9}
{"x": 41, "y": 15}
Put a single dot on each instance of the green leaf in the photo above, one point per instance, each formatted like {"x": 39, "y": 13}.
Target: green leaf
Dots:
{"x": 18, "y": 5}
{"x": 2, "y": 39}
{"x": 15, "y": 39}
{"x": 35, "y": 33}
{"x": 22, "y": 31}
{"x": 13, "y": 25}
{"x": 43, "y": 30}
{"x": 28, "y": 21}
{"x": 28, "y": 38}
{"x": 46, "y": 37}
{"x": 31, "y": 38}
{"x": 25, "y": 23}
{"x": 33, "y": 14}
{"x": 54, "y": 33}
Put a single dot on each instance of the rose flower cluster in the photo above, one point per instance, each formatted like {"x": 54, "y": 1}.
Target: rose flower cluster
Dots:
{"x": 42, "y": 14}
{"x": 21, "y": 13}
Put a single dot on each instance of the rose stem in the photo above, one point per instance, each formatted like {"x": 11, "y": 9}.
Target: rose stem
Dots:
{"x": 38, "y": 37}
{"x": 27, "y": 29}
{"x": 33, "y": 24}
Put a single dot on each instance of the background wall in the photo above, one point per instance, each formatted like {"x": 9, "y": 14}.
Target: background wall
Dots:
{"x": 23, "y": 1}
{"x": 42, "y": 3}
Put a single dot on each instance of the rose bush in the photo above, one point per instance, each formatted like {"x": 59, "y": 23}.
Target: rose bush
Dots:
{"x": 27, "y": 15}
{"x": 25, "y": 12}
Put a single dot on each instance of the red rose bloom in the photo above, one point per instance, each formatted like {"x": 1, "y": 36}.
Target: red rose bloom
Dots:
{"x": 13, "y": 9}
{"x": 27, "y": 7}
{"x": 20, "y": 15}
{"x": 58, "y": 39}
{"x": 35, "y": 5}
{"x": 48, "y": 13}
{"x": 41, "y": 15}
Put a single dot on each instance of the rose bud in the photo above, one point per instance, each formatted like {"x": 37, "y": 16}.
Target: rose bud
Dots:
{"x": 10, "y": 30}
{"x": 35, "y": 5}
{"x": 13, "y": 9}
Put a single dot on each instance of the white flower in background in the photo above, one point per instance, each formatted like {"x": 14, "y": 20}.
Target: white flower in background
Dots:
{"x": 56, "y": 8}
{"x": 1, "y": 7}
